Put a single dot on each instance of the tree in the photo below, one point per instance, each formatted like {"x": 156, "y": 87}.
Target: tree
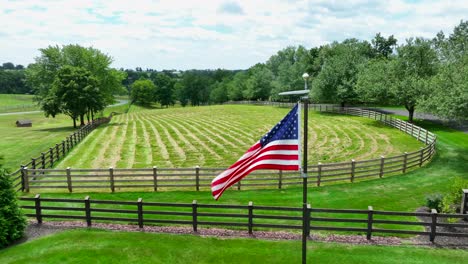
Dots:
{"x": 374, "y": 82}
{"x": 258, "y": 86}
{"x": 143, "y": 92}
{"x": 341, "y": 62}
{"x": 42, "y": 74}
{"x": 12, "y": 220}
{"x": 8, "y": 66}
{"x": 383, "y": 47}
{"x": 77, "y": 93}
{"x": 164, "y": 89}
{"x": 415, "y": 64}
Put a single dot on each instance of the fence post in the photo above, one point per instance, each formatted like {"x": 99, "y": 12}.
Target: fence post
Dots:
{"x": 63, "y": 148}
{"x": 26, "y": 179}
{"x": 319, "y": 173}
{"x": 69, "y": 181}
{"x": 433, "y": 225}
{"x": 33, "y": 165}
{"x": 140, "y": 212}
{"x": 370, "y": 217}
{"x": 51, "y": 154}
{"x": 250, "y": 218}
{"x": 280, "y": 179}
{"x": 411, "y": 129}
{"x": 22, "y": 178}
{"x": 197, "y": 177}
{"x": 419, "y": 133}
{"x": 464, "y": 205}
{"x": 43, "y": 160}
{"x": 87, "y": 203}
{"x": 353, "y": 167}
{"x": 308, "y": 220}
{"x": 57, "y": 151}
{"x": 155, "y": 178}
{"x": 427, "y": 135}
{"x": 382, "y": 164}
{"x": 194, "y": 216}
{"x": 405, "y": 161}
{"x": 111, "y": 178}
{"x": 238, "y": 185}
{"x": 421, "y": 156}
{"x": 37, "y": 205}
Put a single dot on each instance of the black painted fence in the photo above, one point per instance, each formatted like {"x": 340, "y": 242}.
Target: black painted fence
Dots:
{"x": 245, "y": 217}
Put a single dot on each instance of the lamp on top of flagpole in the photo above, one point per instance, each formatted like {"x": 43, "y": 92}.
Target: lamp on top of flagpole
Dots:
{"x": 305, "y": 101}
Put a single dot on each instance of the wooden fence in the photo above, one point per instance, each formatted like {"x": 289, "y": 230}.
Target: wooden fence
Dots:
{"x": 48, "y": 158}
{"x": 197, "y": 178}
{"x": 247, "y": 217}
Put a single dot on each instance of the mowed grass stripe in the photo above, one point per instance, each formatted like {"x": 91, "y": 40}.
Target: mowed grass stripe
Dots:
{"x": 198, "y": 144}
{"x": 128, "y": 149}
{"x": 176, "y": 153}
{"x": 115, "y": 151}
{"x": 160, "y": 152}
{"x": 143, "y": 152}
{"x": 103, "y": 153}
{"x": 193, "y": 155}
{"x": 208, "y": 126}
{"x": 85, "y": 148}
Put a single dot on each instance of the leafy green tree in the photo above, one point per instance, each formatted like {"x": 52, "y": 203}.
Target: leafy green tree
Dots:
{"x": 8, "y": 66}
{"x": 236, "y": 86}
{"x": 374, "y": 82}
{"x": 337, "y": 78}
{"x": 42, "y": 74}
{"x": 164, "y": 89}
{"x": 77, "y": 92}
{"x": 143, "y": 92}
{"x": 383, "y": 47}
{"x": 218, "y": 93}
{"x": 12, "y": 220}
{"x": 258, "y": 86}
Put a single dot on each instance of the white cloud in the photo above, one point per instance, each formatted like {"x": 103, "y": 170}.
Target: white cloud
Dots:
{"x": 210, "y": 34}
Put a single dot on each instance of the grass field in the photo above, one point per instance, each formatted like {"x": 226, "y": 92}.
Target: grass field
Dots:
{"x": 216, "y": 136}
{"x": 17, "y": 103}
{"x": 96, "y": 246}
{"x": 20, "y": 144}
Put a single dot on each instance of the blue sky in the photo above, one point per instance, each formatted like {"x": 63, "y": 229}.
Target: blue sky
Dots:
{"x": 209, "y": 34}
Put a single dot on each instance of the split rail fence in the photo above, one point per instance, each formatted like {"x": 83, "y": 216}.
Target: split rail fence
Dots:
{"x": 38, "y": 176}
{"x": 243, "y": 217}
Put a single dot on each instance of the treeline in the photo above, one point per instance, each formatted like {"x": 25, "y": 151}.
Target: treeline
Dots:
{"x": 426, "y": 74}
{"x": 12, "y": 79}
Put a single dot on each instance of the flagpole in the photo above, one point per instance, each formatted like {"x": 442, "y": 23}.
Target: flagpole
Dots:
{"x": 305, "y": 223}
{"x": 305, "y": 101}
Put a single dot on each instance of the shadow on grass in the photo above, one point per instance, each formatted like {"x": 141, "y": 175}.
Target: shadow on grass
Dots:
{"x": 57, "y": 129}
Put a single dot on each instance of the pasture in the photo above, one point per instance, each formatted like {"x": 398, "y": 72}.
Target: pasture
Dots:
{"x": 17, "y": 103}
{"x": 19, "y": 144}
{"x": 97, "y": 246}
{"x": 216, "y": 136}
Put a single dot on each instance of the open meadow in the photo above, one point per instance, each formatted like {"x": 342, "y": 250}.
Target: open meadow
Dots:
{"x": 216, "y": 136}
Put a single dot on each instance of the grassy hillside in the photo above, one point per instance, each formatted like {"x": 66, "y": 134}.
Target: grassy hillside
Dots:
{"x": 216, "y": 136}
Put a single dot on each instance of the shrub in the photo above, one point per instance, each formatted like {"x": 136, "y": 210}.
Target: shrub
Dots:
{"x": 12, "y": 220}
{"x": 434, "y": 201}
{"x": 452, "y": 201}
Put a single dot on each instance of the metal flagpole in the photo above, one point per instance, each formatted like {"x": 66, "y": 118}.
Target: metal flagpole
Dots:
{"x": 304, "y": 164}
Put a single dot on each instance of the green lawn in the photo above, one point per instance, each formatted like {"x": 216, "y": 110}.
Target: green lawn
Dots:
{"x": 96, "y": 246}
{"x": 216, "y": 136}
{"x": 17, "y": 103}
{"x": 19, "y": 144}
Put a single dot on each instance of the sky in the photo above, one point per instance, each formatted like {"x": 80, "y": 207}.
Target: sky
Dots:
{"x": 209, "y": 34}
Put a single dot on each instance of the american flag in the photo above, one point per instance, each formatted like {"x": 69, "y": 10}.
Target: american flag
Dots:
{"x": 278, "y": 150}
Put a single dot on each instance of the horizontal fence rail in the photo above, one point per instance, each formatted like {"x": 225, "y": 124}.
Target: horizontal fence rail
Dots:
{"x": 40, "y": 176}
{"x": 244, "y": 217}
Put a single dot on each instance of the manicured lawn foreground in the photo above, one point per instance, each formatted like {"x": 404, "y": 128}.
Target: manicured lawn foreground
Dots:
{"x": 96, "y": 246}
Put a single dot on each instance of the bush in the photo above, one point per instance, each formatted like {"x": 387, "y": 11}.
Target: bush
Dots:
{"x": 434, "y": 201}
{"x": 452, "y": 201}
{"x": 12, "y": 220}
